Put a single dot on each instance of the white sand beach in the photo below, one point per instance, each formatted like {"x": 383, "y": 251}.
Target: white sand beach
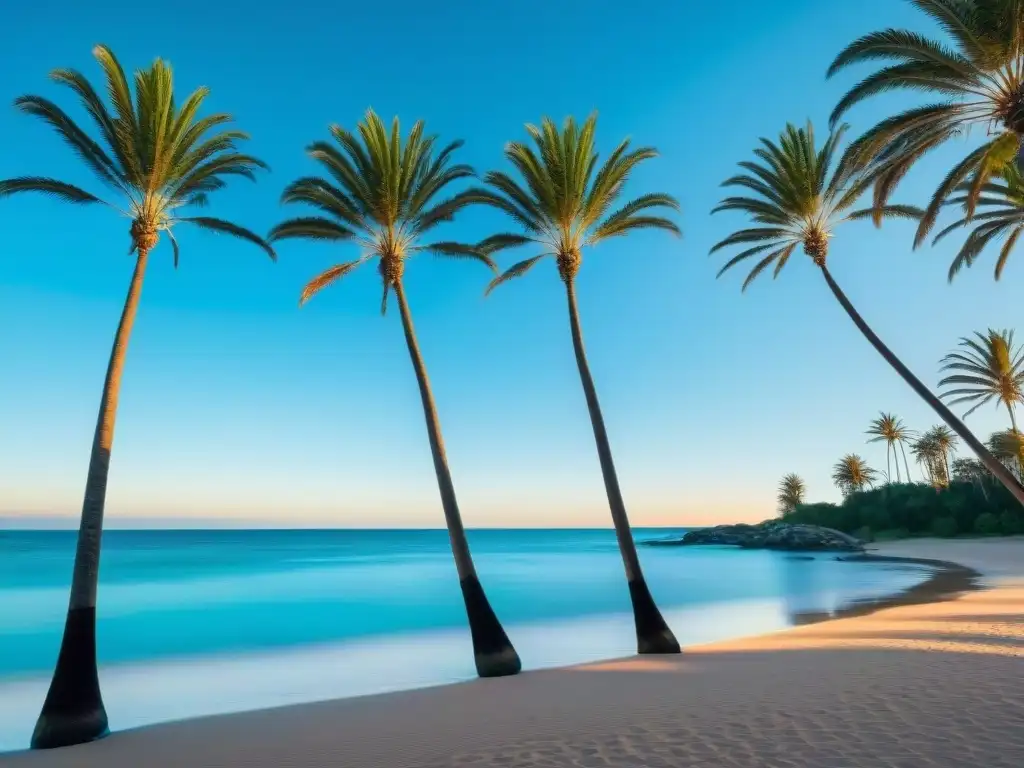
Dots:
{"x": 914, "y": 686}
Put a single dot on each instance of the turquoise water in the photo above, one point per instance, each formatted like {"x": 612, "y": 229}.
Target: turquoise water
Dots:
{"x": 194, "y": 622}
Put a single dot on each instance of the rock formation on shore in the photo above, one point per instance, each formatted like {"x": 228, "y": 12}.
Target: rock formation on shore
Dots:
{"x": 771, "y": 534}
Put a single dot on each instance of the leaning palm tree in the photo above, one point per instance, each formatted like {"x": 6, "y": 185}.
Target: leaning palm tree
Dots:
{"x": 1001, "y": 218}
{"x": 381, "y": 191}
{"x": 988, "y": 369}
{"x": 797, "y": 198}
{"x": 890, "y": 429}
{"x": 851, "y": 474}
{"x": 158, "y": 157}
{"x": 792, "y": 491}
{"x": 562, "y": 205}
{"x": 976, "y": 77}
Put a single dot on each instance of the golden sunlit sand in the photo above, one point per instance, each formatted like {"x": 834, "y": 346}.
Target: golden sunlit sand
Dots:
{"x": 915, "y": 686}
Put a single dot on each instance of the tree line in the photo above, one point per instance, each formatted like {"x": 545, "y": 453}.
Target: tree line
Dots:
{"x": 386, "y": 191}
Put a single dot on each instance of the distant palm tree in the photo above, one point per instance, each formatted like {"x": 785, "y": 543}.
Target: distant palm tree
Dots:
{"x": 1008, "y": 447}
{"x": 972, "y": 471}
{"x": 890, "y": 428}
{"x": 562, "y": 205}
{"x": 792, "y": 491}
{"x": 158, "y": 158}
{"x": 851, "y": 473}
{"x": 926, "y": 452}
{"x": 941, "y": 442}
{"x": 381, "y": 191}
{"x": 1002, "y": 217}
{"x": 798, "y": 199}
{"x": 989, "y": 368}
{"x": 976, "y": 79}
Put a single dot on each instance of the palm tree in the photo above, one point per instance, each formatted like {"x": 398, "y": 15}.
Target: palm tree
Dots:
{"x": 1008, "y": 447}
{"x": 798, "y": 199}
{"x": 990, "y": 368}
{"x": 158, "y": 157}
{"x": 972, "y": 471}
{"x": 926, "y": 452}
{"x": 851, "y": 473}
{"x": 792, "y": 491}
{"x": 381, "y": 192}
{"x": 942, "y": 443}
{"x": 562, "y": 205}
{"x": 890, "y": 428}
{"x": 976, "y": 79}
{"x": 1002, "y": 216}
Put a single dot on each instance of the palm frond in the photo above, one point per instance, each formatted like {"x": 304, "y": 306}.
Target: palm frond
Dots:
{"x": 327, "y": 277}
{"x": 516, "y": 270}
{"x": 59, "y": 189}
{"x": 227, "y": 228}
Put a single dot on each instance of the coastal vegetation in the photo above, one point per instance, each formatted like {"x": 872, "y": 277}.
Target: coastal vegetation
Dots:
{"x": 384, "y": 191}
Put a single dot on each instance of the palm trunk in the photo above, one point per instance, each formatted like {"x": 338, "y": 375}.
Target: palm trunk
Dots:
{"x": 492, "y": 650}
{"x": 1013, "y": 418}
{"x": 906, "y": 464}
{"x": 652, "y": 633}
{"x": 896, "y": 461}
{"x": 73, "y": 712}
{"x": 994, "y": 466}
{"x": 888, "y": 467}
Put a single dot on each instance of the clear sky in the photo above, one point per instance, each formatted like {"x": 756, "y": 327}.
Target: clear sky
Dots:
{"x": 238, "y": 406}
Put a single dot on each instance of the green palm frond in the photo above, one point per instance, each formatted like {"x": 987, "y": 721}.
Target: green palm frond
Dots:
{"x": 384, "y": 191}
{"x": 986, "y": 368}
{"x": 851, "y": 474}
{"x": 1008, "y": 447}
{"x": 792, "y": 491}
{"x": 564, "y": 198}
{"x": 977, "y": 79}
{"x": 888, "y": 428}
{"x": 516, "y": 270}
{"x": 156, "y": 155}
{"x": 796, "y": 193}
{"x": 999, "y": 215}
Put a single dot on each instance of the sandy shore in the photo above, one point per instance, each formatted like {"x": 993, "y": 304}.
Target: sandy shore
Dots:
{"x": 912, "y": 686}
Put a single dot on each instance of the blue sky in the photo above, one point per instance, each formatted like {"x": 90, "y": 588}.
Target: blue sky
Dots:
{"x": 237, "y": 406}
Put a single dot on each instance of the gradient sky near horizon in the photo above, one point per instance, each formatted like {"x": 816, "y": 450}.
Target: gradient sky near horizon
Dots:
{"x": 239, "y": 408}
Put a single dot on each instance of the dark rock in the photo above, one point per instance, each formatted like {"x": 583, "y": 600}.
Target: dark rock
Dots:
{"x": 772, "y": 534}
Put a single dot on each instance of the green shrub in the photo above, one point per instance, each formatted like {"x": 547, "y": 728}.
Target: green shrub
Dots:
{"x": 945, "y": 527}
{"x": 1010, "y": 523}
{"x": 986, "y": 524}
{"x": 864, "y": 533}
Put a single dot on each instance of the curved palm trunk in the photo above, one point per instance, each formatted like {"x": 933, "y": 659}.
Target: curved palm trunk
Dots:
{"x": 888, "y": 467}
{"x": 994, "y": 466}
{"x": 492, "y": 650}
{"x": 652, "y": 633}
{"x": 73, "y": 711}
{"x": 1013, "y": 417}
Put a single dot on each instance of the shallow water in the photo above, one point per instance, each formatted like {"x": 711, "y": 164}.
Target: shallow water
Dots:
{"x": 198, "y": 622}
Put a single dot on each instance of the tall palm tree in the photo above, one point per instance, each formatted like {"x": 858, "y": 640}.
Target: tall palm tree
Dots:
{"x": 792, "y": 491}
{"x": 972, "y": 471}
{"x": 890, "y": 428}
{"x": 562, "y": 205}
{"x": 1001, "y": 216}
{"x": 976, "y": 79}
{"x": 158, "y": 157}
{"x": 989, "y": 368}
{"x": 851, "y": 473}
{"x": 798, "y": 199}
{"x": 382, "y": 191}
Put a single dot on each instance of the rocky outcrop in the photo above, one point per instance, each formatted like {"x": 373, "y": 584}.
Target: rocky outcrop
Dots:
{"x": 772, "y": 534}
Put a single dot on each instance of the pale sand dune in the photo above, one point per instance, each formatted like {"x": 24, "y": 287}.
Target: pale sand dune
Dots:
{"x": 907, "y": 687}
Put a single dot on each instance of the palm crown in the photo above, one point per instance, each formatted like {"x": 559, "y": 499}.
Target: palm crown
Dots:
{"x": 987, "y": 368}
{"x": 1001, "y": 206}
{"x": 978, "y": 80}
{"x": 888, "y": 428}
{"x": 564, "y": 201}
{"x": 799, "y": 195}
{"x": 158, "y": 156}
{"x": 381, "y": 191}
{"x": 851, "y": 473}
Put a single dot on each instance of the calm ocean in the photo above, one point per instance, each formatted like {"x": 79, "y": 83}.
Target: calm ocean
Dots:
{"x": 197, "y": 622}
